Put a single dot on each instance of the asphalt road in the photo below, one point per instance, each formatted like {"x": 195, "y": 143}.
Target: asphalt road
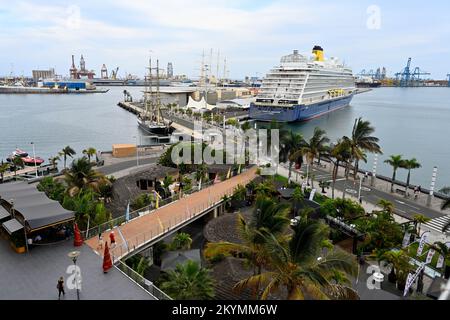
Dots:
{"x": 406, "y": 208}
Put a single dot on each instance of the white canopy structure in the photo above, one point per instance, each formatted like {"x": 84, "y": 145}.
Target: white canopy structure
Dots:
{"x": 199, "y": 105}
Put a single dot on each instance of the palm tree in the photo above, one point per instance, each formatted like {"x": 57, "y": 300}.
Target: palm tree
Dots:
{"x": 89, "y": 153}
{"x": 395, "y": 161}
{"x": 3, "y": 168}
{"x": 362, "y": 141}
{"x": 341, "y": 153}
{"x": 17, "y": 162}
{"x": 302, "y": 266}
{"x": 246, "y": 126}
{"x": 54, "y": 161}
{"x": 291, "y": 144}
{"x": 167, "y": 182}
{"x": 182, "y": 241}
{"x": 386, "y": 206}
{"x": 400, "y": 266}
{"x": 188, "y": 282}
{"x": 315, "y": 146}
{"x": 82, "y": 176}
{"x": 418, "y": 219}
{"x": 67, "y": 152}
{"x": 268, "y": 216}
{"x": 410, "y": 165}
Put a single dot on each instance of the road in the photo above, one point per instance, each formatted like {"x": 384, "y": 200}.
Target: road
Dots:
{"x": 406, "y": 208}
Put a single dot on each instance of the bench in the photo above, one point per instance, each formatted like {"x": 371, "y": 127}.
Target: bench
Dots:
{"x": 400, "y": 191}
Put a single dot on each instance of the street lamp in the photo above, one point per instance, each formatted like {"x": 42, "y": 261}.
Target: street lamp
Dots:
{"x": 34, "y": 158}
{"x": 74, "y": 256}
{"x": 374, "y": 170}
{"x": 433, "y": 183}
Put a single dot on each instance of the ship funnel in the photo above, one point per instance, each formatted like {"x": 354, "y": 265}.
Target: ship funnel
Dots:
{"x": 295, "y": 51}
{"x": 318, "y": 52}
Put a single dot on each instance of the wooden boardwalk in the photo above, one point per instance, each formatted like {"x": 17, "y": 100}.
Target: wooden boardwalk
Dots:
{"x": 144, "y": 229}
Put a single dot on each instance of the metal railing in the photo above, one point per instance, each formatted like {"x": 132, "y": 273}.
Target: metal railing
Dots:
{"x": 95, "y": 231}
{"x": 142, "y": 282}
{"x": 134, "y": 243}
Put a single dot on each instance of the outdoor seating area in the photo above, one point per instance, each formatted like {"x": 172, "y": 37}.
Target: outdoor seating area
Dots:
{"x": 28, "y": 216}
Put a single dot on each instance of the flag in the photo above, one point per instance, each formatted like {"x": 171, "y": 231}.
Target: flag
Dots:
{"x": 157, "y": 196}
{"x": 422, "y": 243}
{"x": 311, "y": 196}
{"x": 440, "y": 262}
{"x": 127, "y": 212}
{"x": 430, "y": 256}
{"x": 200, "y": 184}
{"x": 406, "y": 239}
{"x": 124, "y": 242}
{"x": 409, "y": 282}
{"x": 107, "y": 262}
{"x": 78, "y": 240}
{"x": 229, "y": 173}
{"x": 217, "y": 179}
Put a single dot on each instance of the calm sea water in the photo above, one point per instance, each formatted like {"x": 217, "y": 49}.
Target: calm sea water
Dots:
{"x": 413, "y": 122}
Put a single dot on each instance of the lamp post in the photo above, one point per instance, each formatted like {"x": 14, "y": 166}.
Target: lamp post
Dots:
{"x": 433, "y": 183}
{"x": 374, "y": 170}
{"x": 34, "y": 158}
{"x": 74, "y": 256}
{"x": 360, "y": 187}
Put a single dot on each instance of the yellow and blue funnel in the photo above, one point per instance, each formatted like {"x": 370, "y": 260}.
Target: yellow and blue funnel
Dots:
{"x": 318, "y": 52}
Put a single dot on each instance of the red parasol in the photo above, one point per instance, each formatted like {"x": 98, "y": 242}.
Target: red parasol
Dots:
{"x": 77, "y": 241}
{"x": 107, "y": 263}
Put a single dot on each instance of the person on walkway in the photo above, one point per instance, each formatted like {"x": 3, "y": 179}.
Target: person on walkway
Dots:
{"x": 112, "y": 237}
{"x": 100, "y": 242}
{"x": 60, "y": 287}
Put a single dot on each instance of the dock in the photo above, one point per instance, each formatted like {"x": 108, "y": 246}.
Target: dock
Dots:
{"x": 131, "y": 107}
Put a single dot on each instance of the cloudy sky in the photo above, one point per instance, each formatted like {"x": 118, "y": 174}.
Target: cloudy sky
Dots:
{"x": 252, "y": 34}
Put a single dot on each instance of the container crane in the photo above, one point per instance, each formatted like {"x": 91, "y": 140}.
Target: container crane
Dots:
{"x": 114, "y": 73}
{"x": 408, "y": 78}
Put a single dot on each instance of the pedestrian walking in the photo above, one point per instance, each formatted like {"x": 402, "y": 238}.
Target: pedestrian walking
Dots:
{"x": 112, "y": 237}
{"x": 100, "y": 242}
{"x": 366, "y": 175}
{"x": 60, "y": 287}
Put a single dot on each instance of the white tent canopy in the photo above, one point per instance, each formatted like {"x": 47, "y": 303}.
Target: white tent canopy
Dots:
{"x": 198, "y": 105}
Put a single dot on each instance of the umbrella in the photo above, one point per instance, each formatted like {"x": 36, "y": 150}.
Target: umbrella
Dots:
{"x": 78, "y": 240}
{"x": 173, "y": 258}
{"x": 107, "y": 263}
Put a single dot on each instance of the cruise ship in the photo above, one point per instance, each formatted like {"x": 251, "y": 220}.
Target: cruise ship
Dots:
{"x": 303, "y": 88}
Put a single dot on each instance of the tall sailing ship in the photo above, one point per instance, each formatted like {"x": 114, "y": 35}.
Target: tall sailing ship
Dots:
{"x": 152, "y": 121}
{"x": 303, "y": 88}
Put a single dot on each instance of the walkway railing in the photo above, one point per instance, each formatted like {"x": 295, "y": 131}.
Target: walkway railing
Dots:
{"x": 94, "y": 231}
{"x": 141, "y": 281}
{"x": 191, "y": 212}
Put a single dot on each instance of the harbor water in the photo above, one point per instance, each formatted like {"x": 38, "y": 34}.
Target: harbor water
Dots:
{"x": 413, "y": 122}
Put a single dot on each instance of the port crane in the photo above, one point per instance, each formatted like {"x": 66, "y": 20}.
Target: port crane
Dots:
{"x": 408, "y": 78}
{"x": 114, "y": 73}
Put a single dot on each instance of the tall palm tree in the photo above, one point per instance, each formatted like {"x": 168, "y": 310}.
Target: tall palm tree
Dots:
{"x": 395, "y": 161}
{"x": 341, "y": 153}
{"x": 3, "y": 168}
{"x": 182, "y": 241}
{"x": 418, "y": 219}
{"x": 90, "y": 152}
{"x": 362, "y": 141}
{"x": 291, "y": 144}
{"x": 188, "y": 281}
{"x": 67, "y": 152}
{"x": 409, "y": 165}
{"x": 386, "y": 206}
{"x": 302, "y": 266}
{"x": 269, "y": 217}
{"x": 315, "y": 146}
{"x": 17, "y": 162}
{"x": 82, "y": 176}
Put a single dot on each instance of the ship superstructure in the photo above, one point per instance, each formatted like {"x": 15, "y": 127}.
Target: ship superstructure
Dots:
{"x": 302, "y": 88}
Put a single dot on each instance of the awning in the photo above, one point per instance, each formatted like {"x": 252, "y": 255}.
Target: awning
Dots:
{"x": 36, "y": 208}
{"x": 12, "y": 226}
{"x": 4, "y": 213}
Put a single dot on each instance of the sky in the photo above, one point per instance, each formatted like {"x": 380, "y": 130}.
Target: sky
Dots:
{"x": 251, "y": 34}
